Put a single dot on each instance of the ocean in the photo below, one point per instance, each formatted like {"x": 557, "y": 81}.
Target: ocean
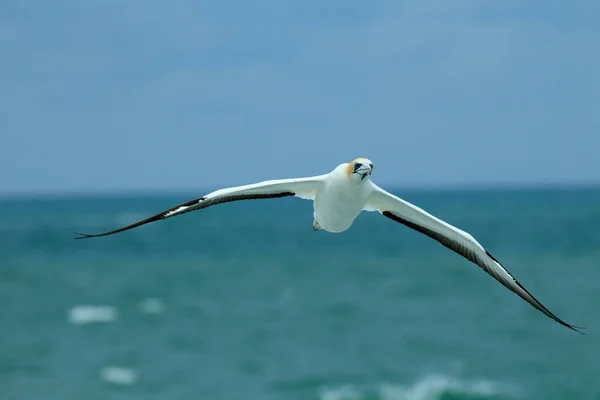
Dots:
{"x": 244, "y": 301}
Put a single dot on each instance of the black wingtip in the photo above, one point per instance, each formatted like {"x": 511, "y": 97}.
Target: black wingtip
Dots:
{"x": 83, "y": 236}
{"x": 536, "y": 303}
{"x": 578, "y": 329}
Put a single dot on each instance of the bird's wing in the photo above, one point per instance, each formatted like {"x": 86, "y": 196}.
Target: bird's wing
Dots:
{"x": 453, "y": 238}
{"x": 304, "y": 188}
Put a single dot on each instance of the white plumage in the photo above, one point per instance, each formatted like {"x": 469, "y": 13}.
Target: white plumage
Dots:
{"x": 339, "y": 197}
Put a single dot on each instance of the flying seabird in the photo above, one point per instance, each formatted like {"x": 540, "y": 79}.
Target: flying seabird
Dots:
{"x": 339, "y": 197}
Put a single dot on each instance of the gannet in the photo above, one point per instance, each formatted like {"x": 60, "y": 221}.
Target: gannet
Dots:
{"x": 338, "y": 198}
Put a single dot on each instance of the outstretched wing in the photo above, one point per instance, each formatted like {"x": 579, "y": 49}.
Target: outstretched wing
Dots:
{"x": 304, "y": 188}
{"x": 453, "y": 238}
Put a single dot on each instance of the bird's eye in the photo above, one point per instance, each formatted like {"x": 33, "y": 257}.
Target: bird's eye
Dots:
{"x": 371, "y": 165}
{"x": 357, "y": 166}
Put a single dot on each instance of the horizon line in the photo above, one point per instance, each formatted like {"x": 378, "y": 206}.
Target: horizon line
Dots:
{"x": 205, "y": 189}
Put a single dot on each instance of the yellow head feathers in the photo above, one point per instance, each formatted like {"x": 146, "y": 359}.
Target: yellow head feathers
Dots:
{"x": 350, "y": 167}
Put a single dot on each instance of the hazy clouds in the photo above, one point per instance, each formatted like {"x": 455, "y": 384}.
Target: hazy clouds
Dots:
{"x": 149, "y": 95}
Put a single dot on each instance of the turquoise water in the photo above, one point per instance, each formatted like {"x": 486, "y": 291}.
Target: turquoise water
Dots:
{"x": 244, "y": 301}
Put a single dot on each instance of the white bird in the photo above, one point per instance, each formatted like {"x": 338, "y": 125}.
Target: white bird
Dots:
{"x": 339, "y": 197}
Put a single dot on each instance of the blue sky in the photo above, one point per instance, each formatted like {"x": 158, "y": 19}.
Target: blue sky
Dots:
{"x": 153, "y": 95}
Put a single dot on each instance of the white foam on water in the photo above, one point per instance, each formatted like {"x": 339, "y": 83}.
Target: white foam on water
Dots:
{"x": 346, "y": 392}
{"x": 152, "y": 306}
{"x": 86, "y": 314}
{"x": 432, "y": 387}
{"x": 119, "y": 375}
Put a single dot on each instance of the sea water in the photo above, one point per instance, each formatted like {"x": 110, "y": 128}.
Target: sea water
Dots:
{"x": 244, "y": 301}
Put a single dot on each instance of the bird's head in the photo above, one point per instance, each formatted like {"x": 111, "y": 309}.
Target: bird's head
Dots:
{"x": 360, "y": 169}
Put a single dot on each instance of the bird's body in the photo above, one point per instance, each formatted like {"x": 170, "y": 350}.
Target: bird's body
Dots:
{"x": 340, "y": 200}
{"x": 339, "y": 197}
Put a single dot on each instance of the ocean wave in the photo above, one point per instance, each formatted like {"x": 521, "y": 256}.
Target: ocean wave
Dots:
{"x": 119, "y": 375}
{"x": 86, "y": 314}
{"x": 434, "y": 387}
